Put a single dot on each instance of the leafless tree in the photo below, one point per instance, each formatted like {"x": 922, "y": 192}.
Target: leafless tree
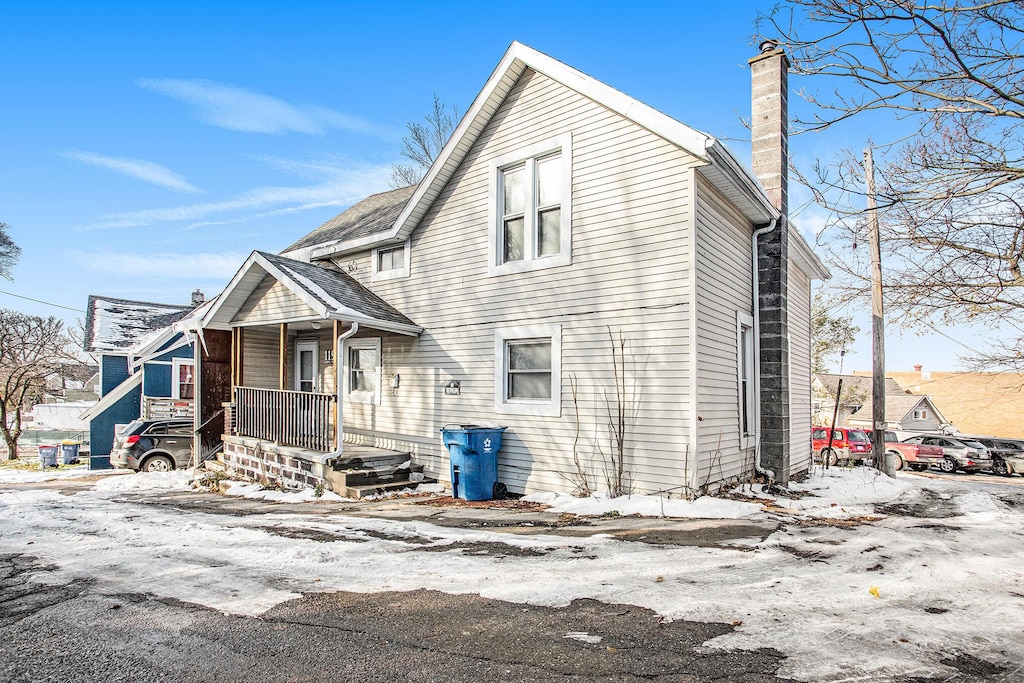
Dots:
{"x": 947, "y": 78}
{"x": 831, "y": 332}
{"x": 32, "y": 350}
{"x": 9, "y": 252}
{"x": 423, "y": 143}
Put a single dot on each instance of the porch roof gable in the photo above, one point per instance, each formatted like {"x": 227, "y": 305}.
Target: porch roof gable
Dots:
{"x": 330, "y": 293}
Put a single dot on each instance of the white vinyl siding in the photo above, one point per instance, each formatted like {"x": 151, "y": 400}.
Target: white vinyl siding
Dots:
{"x": 724, "y": 288}
{"x": 272, "y": 302}
{"x": 799, "y": 313}
{"x": 261, "y": 357}
{"x": 630, "y": 194}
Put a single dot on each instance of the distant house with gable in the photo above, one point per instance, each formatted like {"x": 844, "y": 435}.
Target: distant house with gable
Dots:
{"x": 146, "y": 366}
{"x": 904, "y": 411}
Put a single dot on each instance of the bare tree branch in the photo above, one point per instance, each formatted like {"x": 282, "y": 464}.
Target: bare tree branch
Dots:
{"x": 423, "y": 143}
{"x": 32, "y": 350}
{"x": 950, "y": 196}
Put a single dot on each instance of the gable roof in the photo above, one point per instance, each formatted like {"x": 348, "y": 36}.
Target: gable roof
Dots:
{"x": 859, "y": 384}
{"x": 332, "y": 294}
{"x": 118, "y": 325}
{"x": 721, "y": 167}
{"x": 375, "y": 214}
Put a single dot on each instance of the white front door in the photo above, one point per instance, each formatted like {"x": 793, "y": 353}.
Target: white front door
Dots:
{"x": 306, "y": 365}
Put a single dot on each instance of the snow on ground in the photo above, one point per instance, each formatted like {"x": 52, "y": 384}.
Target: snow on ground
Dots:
{"x": 868, "y": 602}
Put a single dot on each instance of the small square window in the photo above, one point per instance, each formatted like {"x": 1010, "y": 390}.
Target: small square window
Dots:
{"x": 527, "y": 365}
{"x": 390, "y": 262}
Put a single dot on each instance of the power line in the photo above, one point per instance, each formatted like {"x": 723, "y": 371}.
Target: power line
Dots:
{"x": 40, "y": 301}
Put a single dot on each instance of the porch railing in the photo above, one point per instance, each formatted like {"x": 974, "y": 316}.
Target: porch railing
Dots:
{"x": 290, "y": 418}
{"x": 156, "y": 408}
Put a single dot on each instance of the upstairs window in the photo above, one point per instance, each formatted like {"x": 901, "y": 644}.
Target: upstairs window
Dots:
{"x": 920, "y": 414}
{"x": 390, "y": 262}
{"x": 531, "y": 208}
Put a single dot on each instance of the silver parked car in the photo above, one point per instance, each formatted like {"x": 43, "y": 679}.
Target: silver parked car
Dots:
{"x": 959, "y": 453}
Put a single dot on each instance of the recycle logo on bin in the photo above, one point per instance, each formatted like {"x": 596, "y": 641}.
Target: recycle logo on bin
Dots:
{"x": 487, "y": 444}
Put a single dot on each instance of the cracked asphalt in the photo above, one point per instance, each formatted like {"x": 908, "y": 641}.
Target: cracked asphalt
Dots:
{"x": 72, "y": 633}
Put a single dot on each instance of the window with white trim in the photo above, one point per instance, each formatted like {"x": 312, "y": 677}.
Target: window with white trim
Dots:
{"x": 390, "y": 262}
{"x": 531, "y": 208}
{"x": 183, "y": 380}
{"x": 920, "y": 414}
{"x": 746, "y": 371}
{"x": 528, "y": 370}
{"x": 362, "y": 370}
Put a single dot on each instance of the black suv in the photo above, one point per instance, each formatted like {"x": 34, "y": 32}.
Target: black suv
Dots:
{"x": 153, "y": 445}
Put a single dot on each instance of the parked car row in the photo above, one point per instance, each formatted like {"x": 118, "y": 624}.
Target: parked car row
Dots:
{"x": 919, "y": 452}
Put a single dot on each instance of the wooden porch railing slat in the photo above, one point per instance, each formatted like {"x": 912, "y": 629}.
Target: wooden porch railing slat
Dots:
{"x": 290, "y": 418}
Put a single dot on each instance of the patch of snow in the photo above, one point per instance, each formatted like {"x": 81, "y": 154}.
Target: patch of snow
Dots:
{"x": 705, "y": 507}
{"x": 17, "y": 476}
{"x": 257, "y": 492}
{"x": 583, "y": 637}
{"x": 868, "y": 603}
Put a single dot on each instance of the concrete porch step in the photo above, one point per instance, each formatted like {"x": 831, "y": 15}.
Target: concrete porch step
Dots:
{"x": 214, "y": 465}
{"x": 364, "y": 490}
{"x": 374, "y": 461}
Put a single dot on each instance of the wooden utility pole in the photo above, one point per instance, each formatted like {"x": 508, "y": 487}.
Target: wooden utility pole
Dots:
{"x": 883, "y": 460}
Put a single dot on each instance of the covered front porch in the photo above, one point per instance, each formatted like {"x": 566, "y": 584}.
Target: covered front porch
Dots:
{"x": 304, "y": 341}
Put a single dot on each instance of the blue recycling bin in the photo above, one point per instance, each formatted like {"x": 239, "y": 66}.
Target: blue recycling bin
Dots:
{"x": 47, "y": 457}
{"x": 473, "y": 454}
{"x": 69, "y": 452}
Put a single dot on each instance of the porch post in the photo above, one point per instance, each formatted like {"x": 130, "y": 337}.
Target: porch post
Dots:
{"x": 337, "y": 385}
{"x": 283, "y": 358}
{"x": 237, "y": 378}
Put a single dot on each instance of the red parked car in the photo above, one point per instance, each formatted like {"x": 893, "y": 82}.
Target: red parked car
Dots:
{"x": 849, "y": 446}
{"x": 916, "y": 456}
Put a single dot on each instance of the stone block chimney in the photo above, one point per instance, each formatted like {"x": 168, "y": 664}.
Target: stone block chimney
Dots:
{"x": 769, "y": 74}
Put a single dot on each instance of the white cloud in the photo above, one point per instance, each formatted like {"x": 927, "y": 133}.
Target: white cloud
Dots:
{"x": 235, "y": 108}
{"x": 348, "y": 185}
{"x": 146, "y": 171}
{"x": 193, "y": 267}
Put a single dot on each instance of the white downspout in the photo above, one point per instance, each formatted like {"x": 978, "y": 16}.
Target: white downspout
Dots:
{"x": 339, "y": 429}
{"x": 757, "y": 351}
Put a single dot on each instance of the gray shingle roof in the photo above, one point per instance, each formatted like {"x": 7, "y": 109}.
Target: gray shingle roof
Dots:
{"x": 339, "y": 286}
{"x": 376, "y": 213}
{"x": 119, "y": 324}
{"x": 858, "y": 383}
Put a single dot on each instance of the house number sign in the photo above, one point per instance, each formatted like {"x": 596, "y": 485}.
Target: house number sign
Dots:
{"x": 453, "y": 388}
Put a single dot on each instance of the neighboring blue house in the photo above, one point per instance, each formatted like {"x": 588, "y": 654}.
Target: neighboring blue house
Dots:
{"x": 146, "y": 366}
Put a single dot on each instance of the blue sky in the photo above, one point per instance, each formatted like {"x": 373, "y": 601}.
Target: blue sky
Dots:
{"x": 147, "y": 150}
